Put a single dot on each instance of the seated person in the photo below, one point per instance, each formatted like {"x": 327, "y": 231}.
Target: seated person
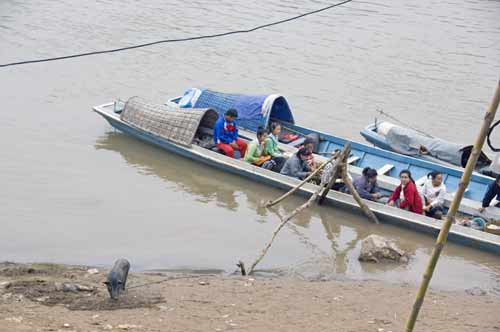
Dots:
{"x": 434, "y": 192}
{"x": 406, "y": 195}
{"x": 493, "y": 190}
{"x": 296, "y": 166}
{"x": 272, "y": 148}
{"x": 366, "y": 185}
{"x": 255, "y": 152}
{"x": 226, "y": 134}
{"x": 309, "y": 145}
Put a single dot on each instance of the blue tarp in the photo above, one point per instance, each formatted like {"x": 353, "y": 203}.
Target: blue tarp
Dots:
{"x": 253, "y": 110}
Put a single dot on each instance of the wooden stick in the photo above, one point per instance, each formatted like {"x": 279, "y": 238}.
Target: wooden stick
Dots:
{"x": 283, "y": 223}
{"x": 443, "y": 234}
{"x": 293, "y": 190}
{"x": 241, "y": 265}
{"x": 369, "y": 213}
{"x": 342, "y": 157}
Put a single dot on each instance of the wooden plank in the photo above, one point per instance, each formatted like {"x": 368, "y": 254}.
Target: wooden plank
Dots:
{"x": 352, "y": 160}
{"x": 385, "y": 169}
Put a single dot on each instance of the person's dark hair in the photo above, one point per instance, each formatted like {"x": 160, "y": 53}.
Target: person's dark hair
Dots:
{"x": 369, "y": 172}
{"x": 303, "y": 152}
{"x": 273, "y": 126}
{"x": 308, "y": 140}
{"x": 432, "y": 175}
{"x": 232, "y": 113}
{"x": 407, "y": 172}
{"x": 261, "y": 131}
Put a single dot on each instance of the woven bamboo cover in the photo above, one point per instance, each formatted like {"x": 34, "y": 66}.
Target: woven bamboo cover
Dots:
{"x": 176, "y": 125}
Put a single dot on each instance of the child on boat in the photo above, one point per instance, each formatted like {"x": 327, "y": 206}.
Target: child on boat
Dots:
{"x": 272, "y": 149}
{"x": 366, "y": 185}
{"x": 296, "y": 166}
{"x": 226, "y": 134}
{"x": 493, "y": 190}
{"x": 255, "y": 152}
{"x": 434, "y": 192}
{"x": 406, "y": 195}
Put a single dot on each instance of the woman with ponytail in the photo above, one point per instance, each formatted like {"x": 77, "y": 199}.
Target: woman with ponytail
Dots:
{"x": 434, "y": 192}
{"x": 406, "y": 195}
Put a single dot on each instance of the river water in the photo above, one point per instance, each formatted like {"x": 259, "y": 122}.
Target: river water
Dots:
{"x": 76, "y": 191}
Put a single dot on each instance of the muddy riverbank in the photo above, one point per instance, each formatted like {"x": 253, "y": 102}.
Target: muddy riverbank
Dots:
{"x": 42, "y": 297}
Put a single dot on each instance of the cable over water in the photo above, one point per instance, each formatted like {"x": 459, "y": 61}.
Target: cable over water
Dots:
{"x": 223, "y": 34}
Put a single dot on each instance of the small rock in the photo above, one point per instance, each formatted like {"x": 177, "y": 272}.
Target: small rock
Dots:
{"x": 203, "y": 283}
{"x": 6, "y": 296}
{"x": 375, "y": 248}
{"x": 92, "y": 271}
{"x": 5, "y": 284}
{"x": 475, "y": 291}
{"x": 126, "y": 327}
{"x": 42, "y": 299}
{"x": 17, "y": 319}
{"x": 108, "y": 327}
{"x": 95, "y": 316}
{"x": 69, "y": 288}
{"x": 82, "y": 288}
{"x": 66, "y": 325}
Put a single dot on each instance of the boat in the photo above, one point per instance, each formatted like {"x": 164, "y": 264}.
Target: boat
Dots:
{"x": 183, "y": 131}
{"x": 410, "y": 142}
{"x": 260, "y": 110}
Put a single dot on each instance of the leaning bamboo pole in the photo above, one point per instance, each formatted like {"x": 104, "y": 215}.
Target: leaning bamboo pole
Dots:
{"x": 366, "y": 210}
{"x": 443, "y": 234}
{"x": 303, "y": 182}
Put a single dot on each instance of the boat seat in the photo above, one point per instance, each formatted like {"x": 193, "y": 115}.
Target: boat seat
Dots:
{"x": 352, "y": 160}
{"x": 385, "y": 169}
{"x": 297, "y": 142}
{"x": 453, "y": 193}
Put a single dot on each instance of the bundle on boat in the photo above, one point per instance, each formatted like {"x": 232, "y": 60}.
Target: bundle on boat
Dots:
{"x": 180, "y": 126}
{"x": 413, "y": 143}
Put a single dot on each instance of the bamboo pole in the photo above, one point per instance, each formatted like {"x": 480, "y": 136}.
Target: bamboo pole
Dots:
{"x": 443, "y": 234}
{"x": 366, "y": 210}
{"x": 280, "y": 226}
{"x": 293, "y": 190}
{"x": 342, "y": 158}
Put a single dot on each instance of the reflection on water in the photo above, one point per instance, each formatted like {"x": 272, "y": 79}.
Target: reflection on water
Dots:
{"x": 330, "y": 240}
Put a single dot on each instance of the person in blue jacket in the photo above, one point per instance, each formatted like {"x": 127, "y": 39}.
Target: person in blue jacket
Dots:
{"x": 226, "y": 134}
{"x": 493, "y": 190}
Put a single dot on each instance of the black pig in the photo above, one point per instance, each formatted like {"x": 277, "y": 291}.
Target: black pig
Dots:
{"x": 117, "y": 278}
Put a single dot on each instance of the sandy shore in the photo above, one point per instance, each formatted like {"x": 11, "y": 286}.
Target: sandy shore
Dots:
{"x": 32, "y": 299}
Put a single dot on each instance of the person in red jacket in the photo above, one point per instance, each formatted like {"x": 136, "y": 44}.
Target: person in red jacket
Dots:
{"x": 406, "y": 195}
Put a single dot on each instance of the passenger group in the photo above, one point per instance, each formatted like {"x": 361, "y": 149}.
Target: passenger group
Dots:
{"x": 264, "y": 152}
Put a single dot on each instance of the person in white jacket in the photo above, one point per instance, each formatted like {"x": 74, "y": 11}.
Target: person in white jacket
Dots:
{"x": 434, "y": 192}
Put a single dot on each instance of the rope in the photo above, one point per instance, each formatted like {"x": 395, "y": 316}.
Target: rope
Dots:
{"x": 488, "y": 137}
{"x": 176, "y": 40}
{"x": 387, "y": 115}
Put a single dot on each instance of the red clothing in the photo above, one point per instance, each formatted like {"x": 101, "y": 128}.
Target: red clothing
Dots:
{"x": 412, "y": 198}
{"x": 229, "y": 151}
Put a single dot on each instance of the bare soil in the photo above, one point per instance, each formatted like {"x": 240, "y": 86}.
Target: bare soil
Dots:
{"x": 32, "y": 298}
